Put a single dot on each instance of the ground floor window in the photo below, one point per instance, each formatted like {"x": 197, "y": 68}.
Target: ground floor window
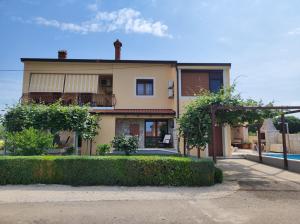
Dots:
{"x": 155, "y": 131}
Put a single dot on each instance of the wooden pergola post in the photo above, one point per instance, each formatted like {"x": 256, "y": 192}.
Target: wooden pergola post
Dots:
{"x": 214, "y": 108}
{"x": 284, "y": 142}
{"x": 259, "y": 142}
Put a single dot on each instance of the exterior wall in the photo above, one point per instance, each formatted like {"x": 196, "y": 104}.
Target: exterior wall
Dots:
{"x": 125, "y": 86}
{"x": 240, "y": 133}
{"x": 108, "y": 129}
{"x": 185, "y": 100}
{"x": 292, "y": 142}
{"x": 124, "y": 80}
{"x": 66, "y": 137}
{"x": 105, "y": 134}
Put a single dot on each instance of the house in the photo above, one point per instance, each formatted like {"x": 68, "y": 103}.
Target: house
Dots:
{"x": 133, "y": 97}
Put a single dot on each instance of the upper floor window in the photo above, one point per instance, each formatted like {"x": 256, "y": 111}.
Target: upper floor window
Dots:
{"x": 144, "y": 87}
{"x": 215, "y": 81}
{"x": 195, "y": 81}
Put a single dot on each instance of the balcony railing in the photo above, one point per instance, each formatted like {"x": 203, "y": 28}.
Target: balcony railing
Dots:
{"x": 93, "y": 100}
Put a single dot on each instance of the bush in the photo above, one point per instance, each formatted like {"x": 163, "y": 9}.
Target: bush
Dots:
{"x": 29, "y": 142}
{"x": 218, "y": 175}
{"x": 102, "y": 149}
{"x": 107, "y": 170}
{"x": 69, "y": 151}
{"x": 128, "y": 144}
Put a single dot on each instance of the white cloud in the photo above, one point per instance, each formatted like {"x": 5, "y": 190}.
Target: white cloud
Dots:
{"x": 126, "y": 19}
{"x": 94, "y": 6}
{"x": 294, "y": 32}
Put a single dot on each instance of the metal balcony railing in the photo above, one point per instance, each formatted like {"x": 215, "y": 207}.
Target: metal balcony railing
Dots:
{"x": 93, "y": 100}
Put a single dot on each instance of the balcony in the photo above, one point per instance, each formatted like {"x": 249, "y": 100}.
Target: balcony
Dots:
{"x": 90, "y": 99}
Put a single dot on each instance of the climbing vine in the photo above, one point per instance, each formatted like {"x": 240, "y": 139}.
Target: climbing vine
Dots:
{"x": 53, "y": 118}
{"x": 195, "y": 123}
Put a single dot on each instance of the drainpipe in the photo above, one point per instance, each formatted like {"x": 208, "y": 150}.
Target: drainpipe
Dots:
{"x": 177, "y": 104}
{"x": 177, "y": 94}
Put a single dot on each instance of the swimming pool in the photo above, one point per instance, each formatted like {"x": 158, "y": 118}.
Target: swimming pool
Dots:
{"x": 280, "y": 155}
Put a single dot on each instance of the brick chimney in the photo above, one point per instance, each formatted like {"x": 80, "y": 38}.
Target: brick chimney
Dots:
{"x": 118, "y": 46}
{"x": 62, "y": 54}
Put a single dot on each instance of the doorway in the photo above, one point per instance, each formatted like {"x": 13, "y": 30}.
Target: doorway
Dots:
{"x": 155, "y": 131}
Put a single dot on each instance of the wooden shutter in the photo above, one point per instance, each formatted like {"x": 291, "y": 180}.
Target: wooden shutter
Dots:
{"x": 192, "y": 82}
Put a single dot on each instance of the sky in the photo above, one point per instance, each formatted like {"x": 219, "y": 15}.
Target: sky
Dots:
{"x": 261, "y": 38}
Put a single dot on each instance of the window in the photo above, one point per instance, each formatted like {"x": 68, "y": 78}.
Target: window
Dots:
{"x": 193, "y": 82}
{"x": 215, "y": 81}
{"x": 144, "y": 87}
{"x": 155, "y": 131}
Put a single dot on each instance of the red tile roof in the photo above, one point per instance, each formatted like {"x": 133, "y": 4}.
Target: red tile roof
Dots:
{"x": 136, "y": 111}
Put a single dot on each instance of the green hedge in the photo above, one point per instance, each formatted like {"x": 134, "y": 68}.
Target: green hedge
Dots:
{"x": 107, "y": 170}
{"x": 218, "y": 175}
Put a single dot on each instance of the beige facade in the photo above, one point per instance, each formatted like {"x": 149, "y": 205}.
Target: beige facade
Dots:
{"x": 166, "y": 77}
{"x": 185, "y": 100}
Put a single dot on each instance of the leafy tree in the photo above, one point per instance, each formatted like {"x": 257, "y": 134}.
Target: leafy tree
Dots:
{"x": 195, "y": 123}
{"x": 29, "y": 142}
{"x": 293, "y": 122}
{"x": 53, "y": 118}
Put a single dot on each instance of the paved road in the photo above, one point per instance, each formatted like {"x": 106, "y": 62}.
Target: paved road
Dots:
{"x": 252, "y": 193}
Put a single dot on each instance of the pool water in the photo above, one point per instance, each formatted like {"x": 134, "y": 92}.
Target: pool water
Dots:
{"x": 280, "y": 155}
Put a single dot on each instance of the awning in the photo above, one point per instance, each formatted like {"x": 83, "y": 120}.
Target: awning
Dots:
{"x": 46, "y": 83}
{"x": 81, "y": 83}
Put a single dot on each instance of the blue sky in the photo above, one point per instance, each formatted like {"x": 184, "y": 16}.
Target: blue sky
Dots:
{"x": 261, "y": 38}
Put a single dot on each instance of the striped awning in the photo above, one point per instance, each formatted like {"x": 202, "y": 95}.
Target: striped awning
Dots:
{"x": 46, "y": 83}
{"x": 81, "y": 83}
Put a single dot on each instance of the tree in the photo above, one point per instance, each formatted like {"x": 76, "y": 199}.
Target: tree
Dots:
{"x": 293, "y": 122}
{"x": 53, "y": 118}
{"x": 195, "y": 123}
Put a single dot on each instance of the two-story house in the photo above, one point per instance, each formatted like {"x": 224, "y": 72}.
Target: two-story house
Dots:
{"x": 133, "y": 97}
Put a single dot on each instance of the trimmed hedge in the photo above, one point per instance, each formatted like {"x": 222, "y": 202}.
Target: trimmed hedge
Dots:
{"x": 107, "y": 170}
{"x": 218, "y": 175}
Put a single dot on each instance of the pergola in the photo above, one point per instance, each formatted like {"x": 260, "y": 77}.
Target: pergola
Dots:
{"x": 285, "y": 110}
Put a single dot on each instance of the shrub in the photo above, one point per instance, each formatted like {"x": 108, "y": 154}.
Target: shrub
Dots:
{"x": 128, "y": 144}
{"x": 107, "y": 170}
{"x": 102, "y": 149}
{"x": 29, "y": 142}
{"x": 218, "y": 175}
{"x": 70, "y": 151}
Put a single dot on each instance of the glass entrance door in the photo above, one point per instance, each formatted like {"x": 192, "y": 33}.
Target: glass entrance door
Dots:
{"x": 155, "y": 131}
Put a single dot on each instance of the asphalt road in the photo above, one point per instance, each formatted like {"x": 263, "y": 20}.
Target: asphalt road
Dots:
{"x": 252, "y": 193}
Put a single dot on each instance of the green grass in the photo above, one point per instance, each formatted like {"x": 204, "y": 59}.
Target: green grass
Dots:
{"x": 134, "y": 170}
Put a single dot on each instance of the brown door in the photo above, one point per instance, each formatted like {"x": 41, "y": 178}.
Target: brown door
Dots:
{"x": 218, "y": 143}
{"x": 134, "y": 129}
